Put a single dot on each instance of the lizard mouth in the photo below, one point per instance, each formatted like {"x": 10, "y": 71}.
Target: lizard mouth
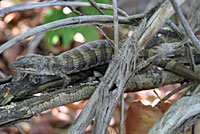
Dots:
{"x": 23, "y": 70}
{"x": 27, "y": 70}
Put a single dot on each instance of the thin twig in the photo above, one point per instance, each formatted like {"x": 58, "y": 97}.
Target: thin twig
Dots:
{"x": 116, "y": 39}
{"x": 186, "y": 25}
{"x": 175, "y": 28}
{"x": 122, "y": 114}
{"x": 116, "y": 24}
{"x": 98, "y": 27}
{"x": 104, "y": 34}
{"x": 156, "y": 94}
{"x": 94, "y": 4}
{"x": 34, "y": 43}
{"x": 75, "y": 11}
{"x": 174, "y": 92}
{"x": 192, "y": 65}
{"x": 190, "y": 57}
{"x": 5, "y": 11}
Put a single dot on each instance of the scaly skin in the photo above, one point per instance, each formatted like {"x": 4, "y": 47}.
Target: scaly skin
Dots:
{"x": 78, "y": 59}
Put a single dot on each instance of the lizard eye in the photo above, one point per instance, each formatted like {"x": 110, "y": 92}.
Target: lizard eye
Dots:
{"x": 27, "y": 63}
{"x": 34, "y": 79}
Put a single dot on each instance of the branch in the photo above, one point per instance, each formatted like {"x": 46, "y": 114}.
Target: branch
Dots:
{"x": 5, "y": 11}
{"x": 186, "y": 25}
{"x": 55, "y": 95}
{"x": 94, "y": 4}
{"x": 20, "y": 111}
{"x": 195, "y": 14}
{"x": 116, "y": 24}
{"x": 103, "y": 20}
{"x": 53, "y": 91}
{"x": 185, "y": 111}
{"x": 159, "y": 18}
{"x": 103, "y": 93}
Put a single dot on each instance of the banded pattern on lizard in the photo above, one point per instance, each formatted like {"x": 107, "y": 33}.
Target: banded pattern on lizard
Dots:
{"x": 78, "y": 59}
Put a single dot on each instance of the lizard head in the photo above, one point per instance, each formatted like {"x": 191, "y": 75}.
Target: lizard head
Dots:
{"x": 28, "y": 64}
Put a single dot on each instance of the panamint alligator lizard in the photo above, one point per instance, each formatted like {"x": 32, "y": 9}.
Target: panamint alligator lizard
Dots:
{"x": 78, "y": 59}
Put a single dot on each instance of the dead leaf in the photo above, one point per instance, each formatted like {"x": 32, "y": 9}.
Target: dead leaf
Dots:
{"x": 140, "y": 118}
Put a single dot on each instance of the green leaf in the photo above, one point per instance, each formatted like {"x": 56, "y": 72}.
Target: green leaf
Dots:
{"x": 89, "y": 33}
{"x": 54, "y": 15}
{"x": 66, "y": 34}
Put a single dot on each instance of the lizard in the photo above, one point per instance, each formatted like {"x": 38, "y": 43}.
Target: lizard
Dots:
{"x": 73, "y": 61}
{"x": 78, "y": 59}
{"x": 81, "y": 58}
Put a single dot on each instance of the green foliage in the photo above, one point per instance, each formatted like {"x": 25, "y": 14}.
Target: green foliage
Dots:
{"x": 93, "y": 11}
{"x": 66, "y": 34}
{"x": 89, "y": 33}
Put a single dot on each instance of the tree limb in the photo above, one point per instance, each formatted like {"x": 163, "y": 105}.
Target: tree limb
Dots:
{"x": 5, "y": 11}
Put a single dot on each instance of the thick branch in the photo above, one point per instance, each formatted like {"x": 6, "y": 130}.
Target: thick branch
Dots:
{"x": 57, "y": 96}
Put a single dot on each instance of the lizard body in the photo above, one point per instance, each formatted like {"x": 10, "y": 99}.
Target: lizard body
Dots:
{"x": 78, "y": 59}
